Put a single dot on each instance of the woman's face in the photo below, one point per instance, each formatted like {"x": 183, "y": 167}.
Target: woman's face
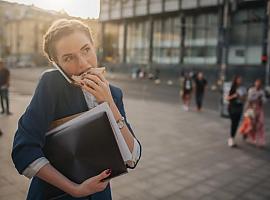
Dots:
{"x": 258, "y": 83}
{"x": 75, "y": 53}
{"x": 239, "y": 81}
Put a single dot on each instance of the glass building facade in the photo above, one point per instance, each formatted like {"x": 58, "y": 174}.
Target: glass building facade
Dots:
{"x": 185, "y": 33}
{"x": 246, "y": 36}
{"x": 113, "y": 40}
{"x": 201, "y": 39}
{"x": 137, "y": 46}
{"x": 166, "y": 40}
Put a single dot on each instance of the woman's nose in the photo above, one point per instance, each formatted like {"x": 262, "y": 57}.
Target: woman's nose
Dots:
{"x": 82, "y": 62}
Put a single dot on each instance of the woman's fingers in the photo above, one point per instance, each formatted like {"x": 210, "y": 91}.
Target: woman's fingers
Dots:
{"x": 95, "y": 90}
{"x": 104, "y": 174}
{"x": 89, "y": 89}
{"x": 100, "y": 89}
{"x": 94, "y": 78}
{"x": 93, "y": 185}
{"x": 94, "y": 82}
{"x": 100, "y": 76}
{"x": 90, "y": 84}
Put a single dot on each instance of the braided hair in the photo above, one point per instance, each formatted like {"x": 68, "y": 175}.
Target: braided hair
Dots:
{"x": 57, "y": 30}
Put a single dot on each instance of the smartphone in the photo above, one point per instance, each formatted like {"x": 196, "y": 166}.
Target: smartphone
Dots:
{"x": 66, "y": 76}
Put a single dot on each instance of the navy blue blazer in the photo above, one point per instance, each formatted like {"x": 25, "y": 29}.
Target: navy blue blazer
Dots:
{"x": 54, "y": 98}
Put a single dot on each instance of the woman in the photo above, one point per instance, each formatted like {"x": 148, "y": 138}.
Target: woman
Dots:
{"x": 236, "y": 100}
{"x": 200, "y": 88}
{"x": 187, "y": 91}
{"x": 256, "y": 98}
{"x": 69, "y": 44}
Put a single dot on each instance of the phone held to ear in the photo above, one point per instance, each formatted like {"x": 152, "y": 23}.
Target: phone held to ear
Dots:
{"x": 75, "y": 79}
{"x": 62, "y": 72}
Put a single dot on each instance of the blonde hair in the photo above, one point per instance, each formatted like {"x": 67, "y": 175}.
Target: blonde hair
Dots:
{"x": 57, "y": 30}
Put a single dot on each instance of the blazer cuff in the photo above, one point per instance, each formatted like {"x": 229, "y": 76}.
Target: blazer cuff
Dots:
{"x": 34, "y": 167}
{"x": 135, "y": 154}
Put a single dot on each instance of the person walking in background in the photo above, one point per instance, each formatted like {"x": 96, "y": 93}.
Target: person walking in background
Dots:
{"x": 236, "y": 100}
{"x": 187, "y": 88}
{"x": 200, "y": 86}
{"x": 255, "y": 100}
{"x": 4, "y": 86}
{"x": 247, "y": 126}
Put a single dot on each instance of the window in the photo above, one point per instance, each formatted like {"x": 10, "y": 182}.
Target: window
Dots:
{"x": 104, "y": 10}
{"x": 201, "y": 39}
{"x": 113, "y": 42}
{"x": 138, "y": 42}
{"x": 187, "y": 4}
{"x": 246, "y": 37}
{"x": 127, "y": 8}
{"x": 155, "y": 6}
{"x": 140, "y": 7}
{"x": 166, "y": 41}
{"x": 115, "y": 9}
{"x": 171, "y": 5}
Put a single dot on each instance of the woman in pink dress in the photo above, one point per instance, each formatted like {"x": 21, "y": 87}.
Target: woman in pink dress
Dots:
{"x": 256, "y": 98}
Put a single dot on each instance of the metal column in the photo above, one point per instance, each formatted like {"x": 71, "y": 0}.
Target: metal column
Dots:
{"x": 125, "y": 41}
{"x": 150, "y": 58}
{"x": 267, "y": 71}
{"x": 224, "y": 43}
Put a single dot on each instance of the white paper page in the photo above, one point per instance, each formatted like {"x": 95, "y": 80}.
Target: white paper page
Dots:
{"x": 126, "y": 154}
{"x": 104, "y": 107}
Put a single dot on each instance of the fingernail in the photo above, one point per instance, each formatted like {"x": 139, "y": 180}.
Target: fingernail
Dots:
{"x": 108, "y": 171}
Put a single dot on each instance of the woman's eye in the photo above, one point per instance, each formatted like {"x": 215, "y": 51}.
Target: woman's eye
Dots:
{"x": 86, "y": 50}
{"x": 68, "y": 59}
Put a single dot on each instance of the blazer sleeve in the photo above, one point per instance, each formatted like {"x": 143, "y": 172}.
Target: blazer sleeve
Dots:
{"x": 29, "y": 138}
{"x": 121, "y": 108}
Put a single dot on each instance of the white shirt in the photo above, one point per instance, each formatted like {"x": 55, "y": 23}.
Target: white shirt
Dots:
{"x": 36, "y": 165}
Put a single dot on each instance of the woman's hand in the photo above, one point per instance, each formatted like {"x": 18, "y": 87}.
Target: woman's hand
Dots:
{"x": 233, "y": 96}
{"x": 98, "y": 86}
{"x": 92, "y": 185}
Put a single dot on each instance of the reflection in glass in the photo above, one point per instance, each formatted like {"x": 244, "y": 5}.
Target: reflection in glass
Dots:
{"x": 246, "y": 36}
{"x": 201, "y": 39}
{"x": 113, "y": 42}
{"x": 166, "y": 41}
{"x": 138, "y": 42}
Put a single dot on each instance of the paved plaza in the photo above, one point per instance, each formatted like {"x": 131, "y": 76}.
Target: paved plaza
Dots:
{"x": 185, "y": 156}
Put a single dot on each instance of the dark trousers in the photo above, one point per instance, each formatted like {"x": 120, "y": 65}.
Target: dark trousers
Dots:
{"x": 4, "y": 100}
{"x": 199, "y": 100}
{"x": 235, "y": 119}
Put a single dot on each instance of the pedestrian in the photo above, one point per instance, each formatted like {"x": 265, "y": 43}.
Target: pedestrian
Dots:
{"x": 157, "y": 74}
{"x": 69, "y": 44}
{"x": 236, "y": 100}
{"x": 141, "y": 73}
{"x": 255, "y": 133}
{"x": 4, "y": 88}
{"x": 200, "y": 87}
{"x": 248, "y": 122}
{"x": 187, "y": 88}
{"x": 134, "y": 73}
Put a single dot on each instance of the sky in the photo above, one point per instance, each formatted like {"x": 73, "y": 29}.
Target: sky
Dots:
{"x": 78, "y": 8}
